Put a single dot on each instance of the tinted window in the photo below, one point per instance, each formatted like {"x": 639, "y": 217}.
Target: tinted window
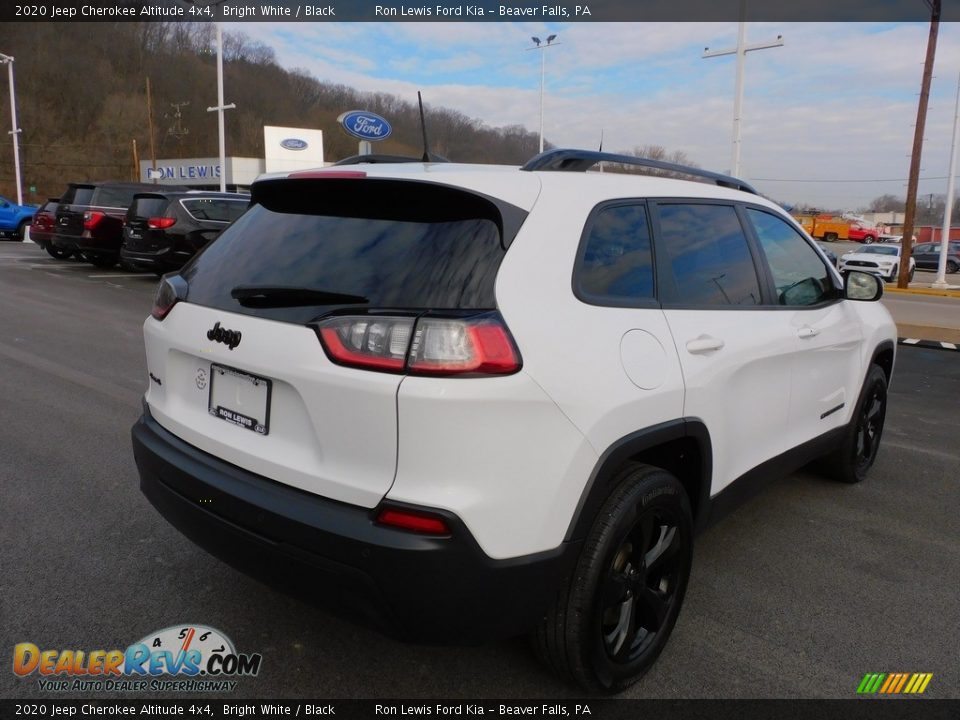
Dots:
{"x": 78, "y": 195}
{"x": 426, "y": 258}
{"x": 216, "y": 209}
{"x": 148, "y": 207}
{"x": 616, "y": 266}
{"x": 115, "y": 197}
{"x": 874, "y": 250}
{"x": 800, "y": 276}
{"x": 708, "y": 254}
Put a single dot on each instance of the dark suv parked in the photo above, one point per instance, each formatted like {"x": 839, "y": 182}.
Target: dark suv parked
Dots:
{"x": 165, "y": 229}
{"x": 90, "y": 219}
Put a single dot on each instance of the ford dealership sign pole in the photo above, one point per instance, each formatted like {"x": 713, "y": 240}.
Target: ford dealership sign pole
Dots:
{"x": 365, "y": 126}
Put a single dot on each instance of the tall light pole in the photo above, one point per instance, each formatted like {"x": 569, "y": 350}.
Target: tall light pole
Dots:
{"x": 541, "y": 46}
{"x": 941, "y": 281}
{"x": 740, "y": 51}
{"x": 220, "y": 107}
{"x": 15, "y": 131}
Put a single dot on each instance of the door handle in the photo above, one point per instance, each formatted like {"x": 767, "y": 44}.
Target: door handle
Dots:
{"x": 703, "y": 344}
{"x": 807, "y": 332}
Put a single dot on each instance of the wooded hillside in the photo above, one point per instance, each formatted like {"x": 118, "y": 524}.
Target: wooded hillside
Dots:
{"x": 81, "y": 101}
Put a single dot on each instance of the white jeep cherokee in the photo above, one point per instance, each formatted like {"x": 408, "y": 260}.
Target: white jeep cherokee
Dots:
{"x": 465, "y": 401}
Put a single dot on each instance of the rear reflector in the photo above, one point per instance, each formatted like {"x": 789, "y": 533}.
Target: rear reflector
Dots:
{"x": 160, "y": 223}
{"x": 413, "y": 521}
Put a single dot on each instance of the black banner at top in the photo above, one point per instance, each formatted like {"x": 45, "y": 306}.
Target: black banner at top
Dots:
{"x": 475, "y": 10}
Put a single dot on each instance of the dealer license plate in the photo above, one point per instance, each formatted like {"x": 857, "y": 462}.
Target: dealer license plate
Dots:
{"x": 240, "y": 398}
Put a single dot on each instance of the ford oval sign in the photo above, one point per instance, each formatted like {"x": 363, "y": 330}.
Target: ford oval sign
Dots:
{"x": 293, "y": 144}
{"x": 365, "y": 125}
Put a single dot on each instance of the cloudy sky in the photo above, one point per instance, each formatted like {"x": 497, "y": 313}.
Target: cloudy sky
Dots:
{"x": 828, "y": 117}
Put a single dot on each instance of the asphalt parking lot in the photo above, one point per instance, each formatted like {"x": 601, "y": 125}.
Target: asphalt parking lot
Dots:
{"x": 797, "y": 594}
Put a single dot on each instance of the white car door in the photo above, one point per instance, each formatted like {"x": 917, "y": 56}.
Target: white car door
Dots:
{"x": 735, "y": 355}
{"x": 826, "y": 365}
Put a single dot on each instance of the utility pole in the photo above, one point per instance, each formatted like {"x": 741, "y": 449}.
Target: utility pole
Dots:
{"x": 906, "y": 244}
{"x": 220, "y": 107}
{"x": 153, "y": 152}
{"x": 740, "y": 51}
{"x": 136, "y": 162}
{"x": 941, "y": 281}
{"x": 15, "y": 130}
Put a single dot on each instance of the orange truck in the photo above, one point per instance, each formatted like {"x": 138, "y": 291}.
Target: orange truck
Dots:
{"x": 831, "y": 228}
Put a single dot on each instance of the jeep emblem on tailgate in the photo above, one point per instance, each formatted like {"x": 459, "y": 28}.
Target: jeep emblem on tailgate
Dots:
{"x": 230, "y": 338}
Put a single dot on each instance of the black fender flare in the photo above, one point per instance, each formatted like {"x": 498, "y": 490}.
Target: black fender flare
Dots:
{"x": 598, "y": 487}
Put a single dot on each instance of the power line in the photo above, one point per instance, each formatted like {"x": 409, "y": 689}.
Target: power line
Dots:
{"x": 859, "y": 180}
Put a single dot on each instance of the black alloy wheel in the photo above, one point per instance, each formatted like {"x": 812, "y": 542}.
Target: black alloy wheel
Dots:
{"x": 640, "y": 587}
{"x": 852, "y": 459}
{"x": 614, "y": 613}
{"x": 869, "y": 427}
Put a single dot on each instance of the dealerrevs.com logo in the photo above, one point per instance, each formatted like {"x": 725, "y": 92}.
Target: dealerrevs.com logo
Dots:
{"x": 180, "y": 658}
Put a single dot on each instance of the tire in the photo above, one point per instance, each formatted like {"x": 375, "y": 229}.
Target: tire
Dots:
{"x": 830, "y": 237}
{"x": 913, "y": 271}
{"x": 22, "y": 229}
{"x": 613, "y": 616}
{"x": 868, "y": 239}
{"x": 952, "y": 267}
{"x": 57, "y": 253}
{"x": 852, "y": 460}
{"x": 894, "y": 275}
{"x": 101, "y": 261}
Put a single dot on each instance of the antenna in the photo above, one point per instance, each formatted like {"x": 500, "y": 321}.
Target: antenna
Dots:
{"x": 423, "y": 129}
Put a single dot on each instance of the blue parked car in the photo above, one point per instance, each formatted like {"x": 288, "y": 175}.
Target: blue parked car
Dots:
{"x": 15, "y": 219}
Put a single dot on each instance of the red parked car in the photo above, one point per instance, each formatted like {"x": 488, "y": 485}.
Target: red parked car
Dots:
{"x": 41, "y": 229}
{"x": 863, "y": 233}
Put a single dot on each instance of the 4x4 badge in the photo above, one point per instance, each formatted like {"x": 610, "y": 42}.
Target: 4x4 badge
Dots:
{"x": 230, "y": 338}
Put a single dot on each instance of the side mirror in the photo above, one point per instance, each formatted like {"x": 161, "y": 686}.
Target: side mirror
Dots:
{"x": 862, "y": 286}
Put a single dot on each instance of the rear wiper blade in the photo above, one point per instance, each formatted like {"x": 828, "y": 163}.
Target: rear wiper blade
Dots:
{"x": 269, "y": 296}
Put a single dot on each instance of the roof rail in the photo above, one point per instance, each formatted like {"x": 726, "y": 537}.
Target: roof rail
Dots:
{"x": 570, "y": 160}
{"x": 378, "y": 159}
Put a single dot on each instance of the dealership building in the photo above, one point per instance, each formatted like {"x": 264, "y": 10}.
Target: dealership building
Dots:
{"x": 285, "y": 150}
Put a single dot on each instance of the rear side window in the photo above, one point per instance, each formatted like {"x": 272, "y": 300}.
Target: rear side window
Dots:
{"x": 148, "y": 207}
{"x": 708, "y": 255}
{"x": 800, "y": 276}
{"x": 215, "y": 209}
{"x": 616, "y": 263}
{"x": 395, "y": 245}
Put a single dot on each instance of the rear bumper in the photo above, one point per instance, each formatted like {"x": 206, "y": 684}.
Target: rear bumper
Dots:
{"x": 416, "y": 587}
{"x": 159, "y": 261}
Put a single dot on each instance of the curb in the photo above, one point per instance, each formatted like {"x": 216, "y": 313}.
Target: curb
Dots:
{"x": 929, "y": 344}
{"x": 924, "y": 291}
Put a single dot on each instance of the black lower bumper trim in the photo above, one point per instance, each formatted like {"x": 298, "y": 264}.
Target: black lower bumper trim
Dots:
{"x": 442, "y": 590}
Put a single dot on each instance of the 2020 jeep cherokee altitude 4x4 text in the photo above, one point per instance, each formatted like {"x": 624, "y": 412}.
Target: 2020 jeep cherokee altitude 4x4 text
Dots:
{"x": 467, "y": 401}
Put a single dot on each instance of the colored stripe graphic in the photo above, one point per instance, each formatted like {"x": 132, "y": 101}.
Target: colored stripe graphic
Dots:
{"x": 894, "y": 683}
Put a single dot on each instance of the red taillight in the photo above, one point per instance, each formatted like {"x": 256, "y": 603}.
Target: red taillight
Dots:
{"x": 92, "y": 218}
{"x": 453, "y": 347}
{"x": 164, "y": 300}
{"x": 160, "y": 223}
{"x": 425, "y": 346}
{"x": 372, "y": 342}
{"x": 413, "y": 521}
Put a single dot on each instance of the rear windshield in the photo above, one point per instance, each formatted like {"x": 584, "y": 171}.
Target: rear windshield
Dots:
{"x": 114, "y": 197}
{"x": 77, "y": 195}
{"x": 147, "y": 207}
{"x": 398, "y": 245}
{"x": 215, "y": 209}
